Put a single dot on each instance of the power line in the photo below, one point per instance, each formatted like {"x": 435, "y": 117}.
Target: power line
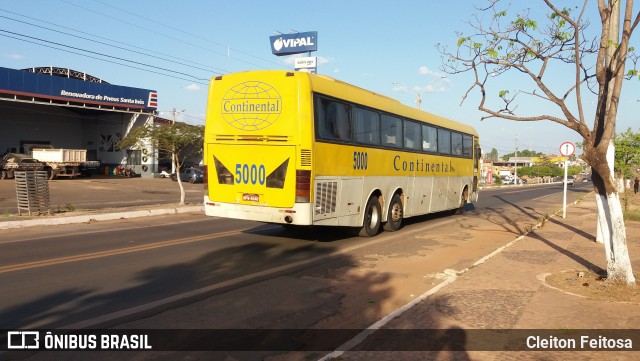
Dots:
{"x": 211, "y": 69}
{"x": 160, "y": 34}
{"x": 192, "y": 116}
{"x": 101, "y": 54}
{"x": 184, "y": 32}
{"x": 105, "y": 60}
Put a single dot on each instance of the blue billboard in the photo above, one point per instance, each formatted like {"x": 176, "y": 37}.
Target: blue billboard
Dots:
{"x": 24, "y": 83}
{"x": 287, "y": 44}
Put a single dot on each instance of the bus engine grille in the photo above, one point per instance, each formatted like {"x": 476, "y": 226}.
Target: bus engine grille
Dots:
{"x": 305, "y": 157}
{"x": 326, "y": 193}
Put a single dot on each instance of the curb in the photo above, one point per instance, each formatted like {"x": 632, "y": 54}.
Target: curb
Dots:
{"x": 86, "y": 218}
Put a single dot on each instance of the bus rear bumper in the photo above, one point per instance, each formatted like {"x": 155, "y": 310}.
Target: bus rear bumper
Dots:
{"x": 299, "y": 214}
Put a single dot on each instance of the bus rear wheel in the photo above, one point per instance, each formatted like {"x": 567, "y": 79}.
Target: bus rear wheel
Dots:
{"x": 463, "y": 201}
{"x": 394, "y": 218}
{"x": 371, "y": 223}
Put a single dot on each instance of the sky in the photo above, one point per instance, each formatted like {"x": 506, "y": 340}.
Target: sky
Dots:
{"x": 388, "y": 47}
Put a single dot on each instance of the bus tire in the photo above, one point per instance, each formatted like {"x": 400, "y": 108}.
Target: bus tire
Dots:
{"x": 394, "y": 218}
{"x": 371, "y": 223}
{"x": 463, "y": 201}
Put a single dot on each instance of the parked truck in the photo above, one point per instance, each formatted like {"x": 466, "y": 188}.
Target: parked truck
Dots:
{"x": 60, "y": 162}
{"x": 12, "y": 162}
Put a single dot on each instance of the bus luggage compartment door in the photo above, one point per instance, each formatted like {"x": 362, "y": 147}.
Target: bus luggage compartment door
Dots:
{"x": 338, "y": 201}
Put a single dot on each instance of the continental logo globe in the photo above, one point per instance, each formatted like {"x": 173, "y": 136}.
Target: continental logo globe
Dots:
{"x": 251, "y": 106}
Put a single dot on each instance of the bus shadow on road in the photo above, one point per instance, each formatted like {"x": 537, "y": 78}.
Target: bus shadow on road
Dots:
{"x": 306, "y": 233}
{"x": 328, "y": 234}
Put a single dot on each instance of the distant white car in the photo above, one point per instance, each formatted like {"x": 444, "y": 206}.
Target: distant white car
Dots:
{"x": 164, "y": 174}
{"x": 514, "y": 181}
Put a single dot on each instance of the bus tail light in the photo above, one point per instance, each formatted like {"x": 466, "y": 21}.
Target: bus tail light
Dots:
{"x": 303, "y": 186}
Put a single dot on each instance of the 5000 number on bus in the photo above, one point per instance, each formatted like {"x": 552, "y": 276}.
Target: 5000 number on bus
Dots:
{"x": 250, "y": 173}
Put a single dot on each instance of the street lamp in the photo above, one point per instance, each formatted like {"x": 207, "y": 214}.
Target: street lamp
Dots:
{"x": 418, "y": 98}
{"x": 515, "y": 159}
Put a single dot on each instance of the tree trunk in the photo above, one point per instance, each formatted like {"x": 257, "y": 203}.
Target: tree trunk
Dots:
{"x": 601, "y": 222}
{"x": 611, "y": 151}
{"x": 615, "y": 241}
{"x": 614, "y": 235}
{"x": 177, "y": 167}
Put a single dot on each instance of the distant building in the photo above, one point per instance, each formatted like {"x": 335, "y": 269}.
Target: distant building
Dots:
{"x": 495, "y": 169}
{"x": 65, "y": 108}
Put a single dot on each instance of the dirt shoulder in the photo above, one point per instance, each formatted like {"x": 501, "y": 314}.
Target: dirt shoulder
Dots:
{"x": 592, "y": 283}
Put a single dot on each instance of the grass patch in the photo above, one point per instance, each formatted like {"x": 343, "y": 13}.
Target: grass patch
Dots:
{"x": 67, "y": 208}
{"x": 630, "y": 205}
{"x": 632, "y": 215}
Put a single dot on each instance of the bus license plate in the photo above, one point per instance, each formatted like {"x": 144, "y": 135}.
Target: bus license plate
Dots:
{"x": 250, "y": 197}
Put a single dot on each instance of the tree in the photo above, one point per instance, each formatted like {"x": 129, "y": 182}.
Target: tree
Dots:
{"x": 515, "y": 43}
{"x": 627, "y": 154}
{"x": 493, "y": 155}
{"x": 526, "y": 153}
{"x": 541, "y": 171}
{"x": 181, "y": 140}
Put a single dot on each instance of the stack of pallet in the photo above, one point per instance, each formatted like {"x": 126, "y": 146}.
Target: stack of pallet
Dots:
{"x": 32, "y": 189}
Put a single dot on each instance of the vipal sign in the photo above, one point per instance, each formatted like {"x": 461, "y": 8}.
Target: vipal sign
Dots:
{"x": 287, "y": 44}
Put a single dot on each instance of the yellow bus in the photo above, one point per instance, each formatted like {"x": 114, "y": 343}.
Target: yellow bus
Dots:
{"x": 303, "y": 149}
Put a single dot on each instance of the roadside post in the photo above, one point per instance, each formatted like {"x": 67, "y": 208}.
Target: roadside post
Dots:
{"x": 566, "y": 149}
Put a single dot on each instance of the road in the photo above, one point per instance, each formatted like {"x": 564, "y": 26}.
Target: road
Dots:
{"x": 190, "y": 271}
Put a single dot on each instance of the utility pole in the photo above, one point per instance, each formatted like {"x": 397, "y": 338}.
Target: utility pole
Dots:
{"x": 418, "y": 98}
{"x": 516, "y": 161}
{"x": 173, "y": 154}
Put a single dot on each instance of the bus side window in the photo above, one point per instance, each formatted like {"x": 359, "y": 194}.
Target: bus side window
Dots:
{"x": 366, "y": 126}
{"x": 333, "y": 120}
{"x": 467, "y": 144}
{"x": 341, "y": 121}
{"x": 324, "y": 129}
{"x": 456, "y": 143}
{"x": 429, "y": 138}
{"x": 444, "y": 141}
{"x": 412, "y": 135}
{"x": 391, "y": 131}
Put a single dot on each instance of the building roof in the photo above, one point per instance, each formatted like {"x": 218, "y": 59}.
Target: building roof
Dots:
{"x": 66, "y": 87}
{"x": 65, "y": 73}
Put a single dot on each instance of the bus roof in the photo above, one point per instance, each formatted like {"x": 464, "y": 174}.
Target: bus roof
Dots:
{"x": 335, "y": 88}
{"x": 339, "y": 89}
